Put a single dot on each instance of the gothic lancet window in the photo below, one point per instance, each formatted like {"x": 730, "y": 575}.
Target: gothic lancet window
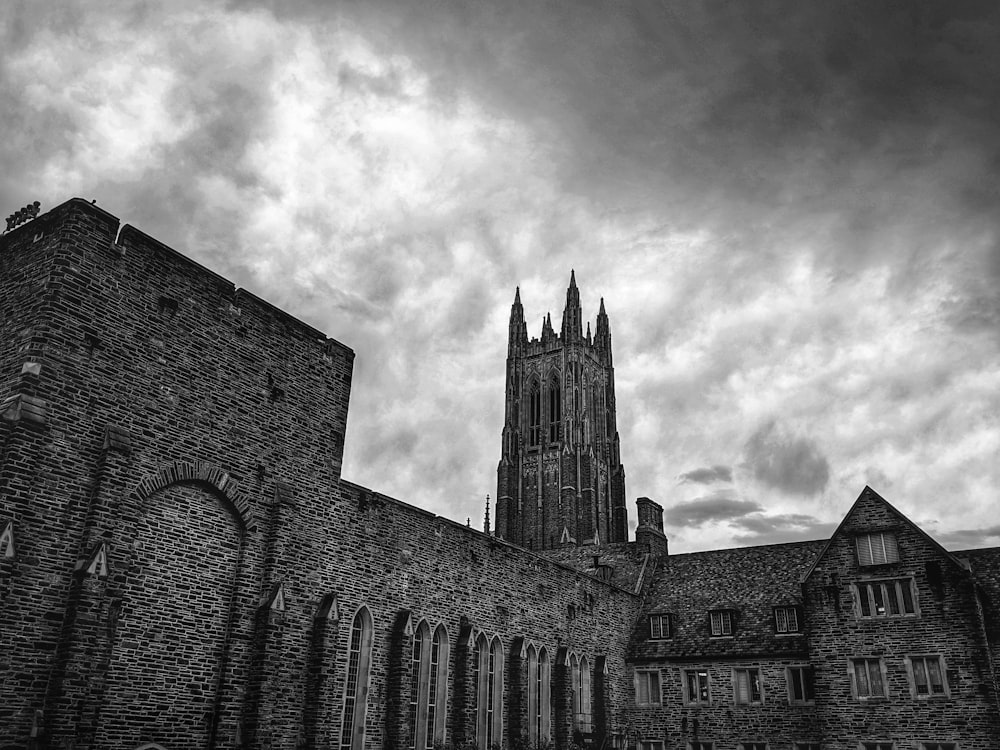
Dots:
{"x": 539, "y": 697}
{"x": 352, "y": 734}
{"x": 555, "y": 409}
{"x": 489, "y": 692}
{"x": 534, "y": 414}
{"x": 428, "y": 686}
{"x": 580, "y": 683}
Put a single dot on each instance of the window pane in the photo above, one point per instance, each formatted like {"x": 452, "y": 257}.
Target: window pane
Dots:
{"x": 863, "y": 594}
{"x": 864, "y": 550}
{"x": 861, "y": 679}
{"x": 920, "y": 676}
{"x": 878, "y": 595}
{"x": 934, "y": 675}
{"x": 907, "y": 597}
{"x": 875, "y": 677}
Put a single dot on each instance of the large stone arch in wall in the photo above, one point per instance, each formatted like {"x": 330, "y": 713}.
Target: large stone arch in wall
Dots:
{"x": 173, "y": 631}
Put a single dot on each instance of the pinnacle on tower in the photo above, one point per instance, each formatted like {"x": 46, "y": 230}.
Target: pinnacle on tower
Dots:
{"x": 486, "y": 517}
{"x": 517, "y": 330}
{"x": 572, "y": 323}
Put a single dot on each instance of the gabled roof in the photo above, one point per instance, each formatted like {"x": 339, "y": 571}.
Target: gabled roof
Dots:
{"x": 751, "y": 581}
{"x": 870, "y": 495}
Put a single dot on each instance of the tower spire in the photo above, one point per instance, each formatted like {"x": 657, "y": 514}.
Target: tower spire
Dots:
{"x": 486, "y": 516}
{"x": 517, "y": 332}
{"x": 572, "y": 322}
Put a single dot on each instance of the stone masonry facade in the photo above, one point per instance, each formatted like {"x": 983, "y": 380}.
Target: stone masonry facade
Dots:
{"x": 183, "y": 566}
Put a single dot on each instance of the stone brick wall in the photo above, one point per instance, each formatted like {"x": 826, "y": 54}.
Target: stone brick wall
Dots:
{"x": 188, "y": 560}
{"x": 948, "y": 625}
{"x": 775, "y": 719}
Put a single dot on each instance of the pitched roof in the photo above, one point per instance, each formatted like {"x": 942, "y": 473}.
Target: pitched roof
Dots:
{"x": 751, "y": 581}
{"x": 868, "y": 494}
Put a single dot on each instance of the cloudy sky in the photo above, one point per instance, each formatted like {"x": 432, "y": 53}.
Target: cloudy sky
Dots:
{"x": 790, "y": 209}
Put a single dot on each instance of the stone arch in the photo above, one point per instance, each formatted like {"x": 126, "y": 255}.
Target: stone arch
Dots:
{"x": 176, "y": 618}
{"x": 150, "y": 746}
{"x": 206, "y": 474}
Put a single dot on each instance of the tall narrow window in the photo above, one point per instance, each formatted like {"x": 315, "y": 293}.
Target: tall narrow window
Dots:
{"x": 489, "y": 701}
{"x": 437, "y": 690}
{"x": 534, "y": 415}
{"x": 574, "y": 668}
{"x": 428, "y": 686}
{"x": 352, "y": 733}
{"x": 583, "y": 717}
{"x": 555, "y": 409}
{"x": 417, "y": 677}
{"x": 539, "y": 705}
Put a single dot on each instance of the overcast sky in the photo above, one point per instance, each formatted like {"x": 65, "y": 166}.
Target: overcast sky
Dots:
{"x": 790, "y": 210}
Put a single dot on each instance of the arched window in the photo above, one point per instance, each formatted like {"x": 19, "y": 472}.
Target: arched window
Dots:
{"x": 539, "y": 696}
{"x": 584, "y": 721}
{"x": 534, "y": 414}
{"x": 574, "y": 683}
{"x": 428, "y": 687}
{"x": 359, "y": 654}
{"x": 489, "y": 692}
{"x": 555, "y": 409}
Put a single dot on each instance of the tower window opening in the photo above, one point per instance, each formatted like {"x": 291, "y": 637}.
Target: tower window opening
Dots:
{"x": 534, "y": 415}
{"x": 555, "y": 410}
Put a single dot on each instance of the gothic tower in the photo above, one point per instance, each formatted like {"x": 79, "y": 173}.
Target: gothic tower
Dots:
{"x": 560, "y": 478}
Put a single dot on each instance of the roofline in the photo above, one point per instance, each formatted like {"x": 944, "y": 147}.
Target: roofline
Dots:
{"x": 867, "y": 492}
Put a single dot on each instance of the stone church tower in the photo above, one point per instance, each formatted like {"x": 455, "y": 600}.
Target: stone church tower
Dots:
{"x": 560, "y": 478}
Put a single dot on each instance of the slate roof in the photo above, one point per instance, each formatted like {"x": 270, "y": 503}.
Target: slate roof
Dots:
{"x": 751, "y": 581}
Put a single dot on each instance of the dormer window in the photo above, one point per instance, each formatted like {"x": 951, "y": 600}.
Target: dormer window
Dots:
{"x": 721, "y": 622}
{"x": 786, "y": 620}
{"x": 659, "y": 627}
{"x": 878, "y": 548}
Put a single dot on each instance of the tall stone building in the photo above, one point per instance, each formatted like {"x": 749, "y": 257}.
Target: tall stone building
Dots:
{"x": 560, "y": 478}
{"x": 183, "y": 566}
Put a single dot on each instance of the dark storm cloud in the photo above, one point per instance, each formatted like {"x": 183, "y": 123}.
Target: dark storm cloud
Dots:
{"x": 969, "y": 538}
{"x": 782, "y": 527}
{"x": 719, "y": 506}
{"x": 787, "y": 462}
{"x": 708, "y": 475}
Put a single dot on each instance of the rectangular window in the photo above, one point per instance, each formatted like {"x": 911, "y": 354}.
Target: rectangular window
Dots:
{"x": 867, "y": 676}
{"x": 877, "y": 746}
{"x": 806, "y": 746}
{"x": 651, "y": 745}
{"x": 696, "y": 686}
{"x": 753, "y": 746}
{"x": 927, "y": 676}
{"x": 889, "y": 598}
{"x": 647, "y": 687}
{"x": 786, "y": 620}
{"x": 701, "y": 746}
{"x": 800, "y": 685}
{"x": 746, "y": 686}
{"x": 721, "y": 621}
{"x": 659, "y": 627}
{"x": 877, "y": 549}
{"x": 938, "y": 746}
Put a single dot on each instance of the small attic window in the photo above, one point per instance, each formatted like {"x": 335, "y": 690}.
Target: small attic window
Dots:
{"x": 878, "y": 548}
{"x": 660, "y": 627}
{"x": 721, "y": 622}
